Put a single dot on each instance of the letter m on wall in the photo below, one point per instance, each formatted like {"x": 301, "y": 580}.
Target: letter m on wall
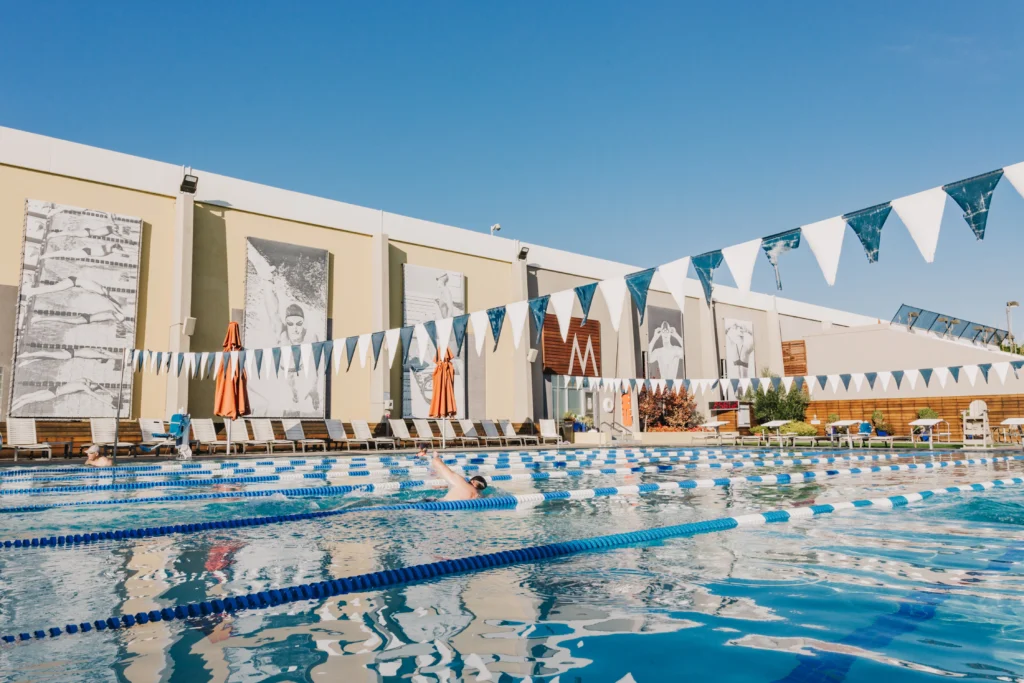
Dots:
{"x": 579, "y": 355}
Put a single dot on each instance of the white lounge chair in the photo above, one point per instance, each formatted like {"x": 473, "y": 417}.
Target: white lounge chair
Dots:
{"x": 424, "y": 434}
{"x": 21, "y": 436}
{"x": 149, "y": 429}
{"x": 510, "y": 433}
{"x": 206, "y": 434}
{"x": 448, "y": 429}
{"x": 491, "y": 432}
{"x": 104, "y": 434}
{"x": 363, "y": 433}
{"x": 400, "y": 432}
{"x": 294, "y": 433}
{"x": 336, "y": 435}
{"x": 263, "y": 435}
{"x": 469, "y": 431}
{"x": 548, "y": 432}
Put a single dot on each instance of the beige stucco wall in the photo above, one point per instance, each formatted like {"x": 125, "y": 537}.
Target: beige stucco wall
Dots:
{"x": 157, "y": 214}
{"x": 218, "y": 286}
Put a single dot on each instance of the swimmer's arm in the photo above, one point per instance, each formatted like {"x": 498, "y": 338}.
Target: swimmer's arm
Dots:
{"x": 454, "y": 480}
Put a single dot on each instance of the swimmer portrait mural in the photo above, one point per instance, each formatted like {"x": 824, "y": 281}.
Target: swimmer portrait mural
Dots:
{"x": 430, "y": 294}
{"x": 285, "y": 305}
{"x": 665, "y": 343}
{"x": 739, "y": 349}
{"x": 76, "y": 312}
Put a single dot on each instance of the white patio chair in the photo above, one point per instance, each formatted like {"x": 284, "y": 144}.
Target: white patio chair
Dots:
{"x": 469, "y": 431}
{"x": 548, "y": 432}
{"x": 21, "y": 436}
{"x": 104, "y": 433}
{"x": 424, "y": 434}
{"x": 363, "y": 433}
{"x": 149, "y": 430}
{"x": 336, "y": 435}
{"x": 448, "y": 429}
{"x": 510, "y": 433}
{"x": 400, "y": 432}
{"x": 263, "y": 435}
{"x": 491, "y": 432}
{"x": 206, "y": 434}
{"x": 293, "y": 432}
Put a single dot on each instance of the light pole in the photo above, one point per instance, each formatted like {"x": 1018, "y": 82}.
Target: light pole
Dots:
{"x": 495, "y": 228}
{"x": 1010, "y": 305}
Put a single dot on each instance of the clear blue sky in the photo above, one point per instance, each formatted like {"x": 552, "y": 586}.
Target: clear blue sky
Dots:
{"x": 640, "y": 132}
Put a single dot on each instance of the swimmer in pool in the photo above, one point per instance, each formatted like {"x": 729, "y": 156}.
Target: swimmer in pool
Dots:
{"x": 458, "y": 487}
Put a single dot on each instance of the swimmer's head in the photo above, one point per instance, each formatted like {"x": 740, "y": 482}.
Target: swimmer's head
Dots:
{"x": 92, "y": 452}
{"x": 295, "y": 323}
{"x": 479, "y": 483}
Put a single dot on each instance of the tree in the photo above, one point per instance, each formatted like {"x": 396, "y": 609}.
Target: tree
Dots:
{"x": 778, "y": 404}
{"x": 668, "y": 409}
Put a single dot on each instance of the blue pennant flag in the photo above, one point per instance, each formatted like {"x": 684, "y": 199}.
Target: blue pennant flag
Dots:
{"x": 686, "y": 385}
{"x": 496, "y": 316}
{"x": 926, "y": 375}
{"x": 318, "y": 351}
{"x": 140, "y": 358}
{"x": 871, "y": 377}
{"x": 296, "y": 357}
{"x": 181, "y": 362}
{"x": 376, "y": 341}
{"x": 431, "y": 328}
{"x": 276, "y": 353}
{"x": 898, "y": 376}
{"x": 350, "y": 350}
{"x": 755, "y": 382}
{"x": 714, "y": 385}
{"x": 954, "y": 370}
{"x": 328, "y": 355}
{"x": 776, "y": 245}
{"x": 210, "y": 360}
{"x": 705, "y": 265}
{"x": 735, "y": 385}
{"x": 405, "y": 334}
{"x": 776, "y": 383}
{"x": 159, "y": 361}
{"x": 638, "y": 285}
{"x": 1016, "y": 365}
{"x": 585, "y": 294}
{"x": 259, "y": 360}
{"x": 822, "y": 380}
{"x": 632, "y": 384}
{"x": 459, "y": 324}
{"x": 973, "y": 196}
{"x": 539, "y": 311}
{"x": 985, "y": 367}
{"x": 798, "y": 383}
{"x": 846, "y": 380}
{"x": 867, "y": 224}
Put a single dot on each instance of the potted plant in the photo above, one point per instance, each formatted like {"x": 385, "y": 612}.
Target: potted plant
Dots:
{"x": 832, "y": 417}
{"x": 882, "y": 428}
{"x": 568, "y": 418}
{"x": 925, "y": 414}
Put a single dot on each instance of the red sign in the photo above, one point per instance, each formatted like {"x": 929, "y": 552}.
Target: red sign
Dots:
{"x": 724, "y": 405}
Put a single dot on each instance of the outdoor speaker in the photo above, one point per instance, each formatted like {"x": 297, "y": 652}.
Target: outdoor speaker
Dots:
{"x": 189, "y": 326}
{"x": 532, "y": 355}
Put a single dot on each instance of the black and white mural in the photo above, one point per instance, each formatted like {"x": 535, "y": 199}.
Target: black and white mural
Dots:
{"x": 739, "y": 349}
{"x": 665, "y": 343}
{"x": 76, "y": 315}
{"x": 430, "y": 294}
{"x": 285, "y": 305}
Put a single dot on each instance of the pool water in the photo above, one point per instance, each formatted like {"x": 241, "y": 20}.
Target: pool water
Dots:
{"x": 926, "y": 592}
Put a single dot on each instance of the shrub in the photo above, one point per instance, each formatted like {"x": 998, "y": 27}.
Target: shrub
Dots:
{"x": 778, "y": 404}
{"x": 799, "y": 429}
{"x": 668, "y": 409}
{"x": 879, "y": 423}
{"x": 927, "y": 414}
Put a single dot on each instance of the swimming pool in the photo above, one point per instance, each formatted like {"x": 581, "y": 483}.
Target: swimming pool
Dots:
{"x": 925, "y": 591}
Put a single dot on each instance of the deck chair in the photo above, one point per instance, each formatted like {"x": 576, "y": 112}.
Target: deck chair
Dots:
{"x": 104, "y": 430}
{"x": 363, "y": 433}
{"x": 491, "y": 432}
{"x": 548, "y": 432}
{"x": 448, "y": 429}
{"x": 294, "y": 433}
{"x": 424, "y": 434}
{"x": 751, "y": 439}
{"x": 731, "y": 438}
{"x": 21, "y": 436}
{"x": 263, "y": 435}
{"x": 400, "y": 432}
{"x": 150, "y": 440}
{"x": 469, "y": 431}
{"x": 336, "y": 435}
{"x": 809, "y": 441}
{"x": 510, "y": 434}
{"x": 206, "y": 434}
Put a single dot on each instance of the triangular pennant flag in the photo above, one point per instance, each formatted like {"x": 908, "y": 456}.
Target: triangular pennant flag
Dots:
{"x": 563, "y": 302}
{"x": 242, "y": 358}
{"x": 364, "y": 342}
{"x": 405, "y": 334}
{"x": 871, "y": 377}
{"x": 926, "y": 375}
{"x": 825, "y": 238}
{"x": 972, "y": 373}
{"x": 614, "y": 293}
{"x": 954, "y": 371}
{"x": 392, "y": 338}
{"x": 181, "y": 362}
{"x": 973, "y": 196}
{"x": 776, "y": 245}
{"x": 249, "y": 357}
{"x": 798, "y": 382}
{"x": 984, "y": 368}
{"x": 745, "y": 383}
{"x": 638, "y": 284}
{"x": 922, "y": 214}
{"x": 858, "y": 381}
{"x": 845, "y": 378}
{"x": 422, "y": 338}
{"x": 306, "y": 351}
{"x": 350, "y": 350}
{"x": 787, "y": 384}
{"x": 897, "y": 376}
{"x": 673, "y": 275}
{"x": 585, "y": 294}
{"x": 318, "y": 353}
{"x": 296, "y": 357}
{"x": 218, "y": 364}
{"x": 1001, "y": 368}
{"x": 431, "y": 327}
{"x": 517, "y": 313}
{"x": 833, "y": 382}
{"x": 741, "y": 259}
{"x": 211, "y": 361}
{"x": 459, "y": 324}
{"x": 276, "y": 355}
{"x": 867, "y": 224}
{"x": 139, "y": 360}
{"x": 1015, "y": 174}
{"x": 884, "y": 376}
{"x": 735, "y": 385}
{"x": 539, "y": 311}
{"x": 822, "y": 380}
{"x": 496, "y": 316}
{"x": 376, "y": 341}
{"x": 159, "y": 361}
{"x": 705, "y": 265}
{"x": 259, "y": 361}
{"x": 756, "y": 383}
{"x": 151, "y": 358}
{"x": 942, "y": 374}
{"x": 911, "y": 377}
{"x": 481, "y": 325}
{"x": 236, "y": 363}
{"x": 444, "y": 334}
{"x": 1017, "y": 365}
{"x": 776, "y": 382}
{"x": 329, "y": 356}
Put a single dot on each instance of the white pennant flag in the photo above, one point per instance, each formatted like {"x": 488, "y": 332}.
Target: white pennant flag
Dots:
{"x": 741, "y": 259}
{"x": 218, "y": 361}
{"x": 306, "y": 353}
{"x": 151, "y": 360}
{"x": 809, "y": 383}
{"x": 884, "y": 377}
{"x": 972, "y": 373}
{"x": 1015, "y": 174}
{"x": 825, "y": 238}
{"x": 562, "y": 303}
{"x": 659, "y": 386}
{"x": 481, "y": 329}
{"x": 1001, "y": 370}
{"x": 422, "y": 342}
{"x": 922, "y": 214}
{"x": 363, "y": 348}
{"x": 192, "y": 364}
{"x": 234, "y": 363}
{"x": 516, "y": 314}
{"x": 787, "y": 384}
{"x": 833, "y": 381}
{"x": 911, "y": 376}
{"x": 858, "y": 380}
{"x": 614, "y": 293}
{"x": 942, "y": 374}
{"x": 391, "y": 338}
{"x": 673, "y": 276}
{"x": 443, "y": 328}
{"x": 336, "y": 353}
{"x": 744, "y": 384}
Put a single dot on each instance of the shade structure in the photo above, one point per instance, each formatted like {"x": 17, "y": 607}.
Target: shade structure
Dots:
{"x": 442, "y": 403}
{"x": 232, "y": 398}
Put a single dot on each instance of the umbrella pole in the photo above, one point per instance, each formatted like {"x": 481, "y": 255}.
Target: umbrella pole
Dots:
{"x": 444, "y": 431}
{"x": 228, "y": 421}
{"x": 117, "y": 420}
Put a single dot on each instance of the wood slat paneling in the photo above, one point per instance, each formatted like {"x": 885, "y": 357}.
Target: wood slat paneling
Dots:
{"x": 794, "y": 358}
{"x": 561, "y": 356}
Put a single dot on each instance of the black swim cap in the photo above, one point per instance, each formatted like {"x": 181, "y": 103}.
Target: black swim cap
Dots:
{"x": 294, "y": 310}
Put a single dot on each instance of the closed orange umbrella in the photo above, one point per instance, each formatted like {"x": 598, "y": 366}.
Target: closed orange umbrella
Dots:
{"x": 232, "y": 399}
{"x": 442, "y": 403}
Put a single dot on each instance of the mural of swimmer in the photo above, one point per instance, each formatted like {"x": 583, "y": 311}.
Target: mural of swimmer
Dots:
{"x": 664, "y": 343}
{"x": 285, "y": 305}
{"x": 739, "y": 349}
{"x": 76, "y": 312}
